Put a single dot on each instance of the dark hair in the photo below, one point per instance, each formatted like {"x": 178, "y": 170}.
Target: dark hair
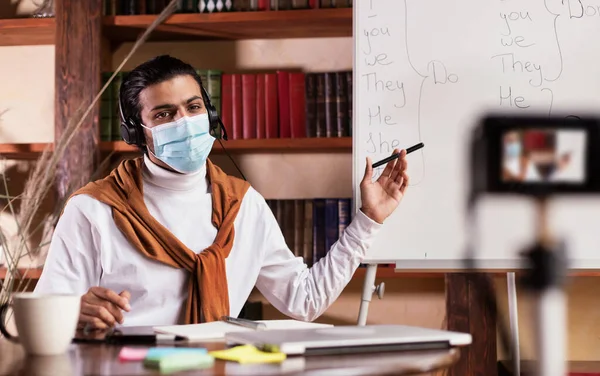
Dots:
{"x": 152, "y": 72}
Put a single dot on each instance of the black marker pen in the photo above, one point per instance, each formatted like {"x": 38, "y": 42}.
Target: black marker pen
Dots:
{"x": 394, "y": 156}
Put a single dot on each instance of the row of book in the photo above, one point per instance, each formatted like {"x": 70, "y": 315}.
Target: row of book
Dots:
{"x": 137, "y": 7}
{"x": 311, "y": 226}
{"x": 280, "y": 104}
{"x": 285, "y": 104}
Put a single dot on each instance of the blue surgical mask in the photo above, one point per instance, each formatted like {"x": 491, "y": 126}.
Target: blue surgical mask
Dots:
{"x": 184, "y": 144}
{"x": 513, "y": 149}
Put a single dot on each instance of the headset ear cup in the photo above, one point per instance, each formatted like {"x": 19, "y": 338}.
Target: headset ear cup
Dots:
{"x": 213, "y": 119}
{"x": 125, "y": 134}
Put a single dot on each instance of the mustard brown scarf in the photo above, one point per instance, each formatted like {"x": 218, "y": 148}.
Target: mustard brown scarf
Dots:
{"x": 208, "y": 297}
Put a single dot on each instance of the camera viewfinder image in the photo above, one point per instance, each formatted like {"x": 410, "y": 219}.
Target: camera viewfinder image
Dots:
{"x": 544, "y": 156}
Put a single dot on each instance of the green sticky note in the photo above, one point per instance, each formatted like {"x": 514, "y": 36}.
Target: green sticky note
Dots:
{"x": 180, "y": 361}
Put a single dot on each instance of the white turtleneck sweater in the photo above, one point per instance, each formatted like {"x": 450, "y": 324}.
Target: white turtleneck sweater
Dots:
{"x": 88, "y": 250}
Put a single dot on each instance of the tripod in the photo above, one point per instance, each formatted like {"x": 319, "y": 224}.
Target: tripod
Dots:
{"x": 545, "y": 276}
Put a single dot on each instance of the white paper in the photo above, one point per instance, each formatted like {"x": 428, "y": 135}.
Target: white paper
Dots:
{"x": 217, "y": 329}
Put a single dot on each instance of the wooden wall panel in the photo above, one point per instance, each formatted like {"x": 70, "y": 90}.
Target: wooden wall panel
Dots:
{"x": 77, "y": 67}
{"x": 467, "y": 312}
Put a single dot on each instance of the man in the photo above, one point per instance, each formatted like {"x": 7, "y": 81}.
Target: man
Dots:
{"x": 168, "y": 238}
{"x": 531, "y": 157}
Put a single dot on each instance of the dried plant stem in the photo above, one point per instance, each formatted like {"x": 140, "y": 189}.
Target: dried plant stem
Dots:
{"x": 43, "y": 177}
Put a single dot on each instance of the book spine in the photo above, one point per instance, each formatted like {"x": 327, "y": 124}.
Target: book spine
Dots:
{"x": 331, "y": 223}
{"x": 106, "y": 110}
{"x": 299, "y": 4}
{"x": 289, "y": 228}
{"x": 297, "y": 105}
{"x": 189, "y": 6}
{"x": 349, "y": 105}
{"x": 341, "y": 102}
{"x": 236, "y": 95}
{"x": 318, "y": 229}
{"x": 283, "y": 83}
{"x": 260, "y": 106}
{"x": 227, "y": 102}
{"x": 129, "y": 7}
{"x": 263, "y": 5}
{"x": 152, "y": 7}
{"x": 311, "y": 104}
{"x": 249, "y": 106}
{"x": 214, "y": 78}
{"x": 214, "y": 88}
{"x": 343, "y": 215}
{"x": 298, "y": 228}
{"x": 116, "y": 119}
{"x": 203, "y": 73}
{"x": 285, "y": 4}
{"x": 321, "y": 126}
{"x": 330, "y": 105}
{"x": 307, "y": 253}
{"x": 142, "y": 7}
{"x": 271, "y": 106}
{"x": 340, "y": 3}
{"x": 279, "y": 214}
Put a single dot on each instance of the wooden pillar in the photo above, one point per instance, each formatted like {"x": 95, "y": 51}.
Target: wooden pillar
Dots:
{"x": 77, "y": 68}
{"x": 467, "y": 311}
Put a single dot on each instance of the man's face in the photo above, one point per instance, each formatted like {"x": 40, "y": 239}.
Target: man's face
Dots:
{"x": 169, "y": 101}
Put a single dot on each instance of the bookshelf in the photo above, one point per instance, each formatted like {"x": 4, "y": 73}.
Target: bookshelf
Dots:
{"x": 23, "y": 151}
{"x": 273, "y": 145}
{"x": 81, "y": 30}
{"x": 27, "y": 31}
{"x": 310, "y": 23}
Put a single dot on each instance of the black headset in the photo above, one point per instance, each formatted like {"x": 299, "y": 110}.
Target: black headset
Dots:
{"x": 133, "y": 134}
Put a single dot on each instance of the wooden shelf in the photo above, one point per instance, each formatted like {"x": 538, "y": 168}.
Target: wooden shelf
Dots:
{"x": 33, "y": 273}
{"x": 271, "y": 145}
{"x": 22, "y": 151}
{"x": 27, "y": 31}
{"x": 310, "y": 23}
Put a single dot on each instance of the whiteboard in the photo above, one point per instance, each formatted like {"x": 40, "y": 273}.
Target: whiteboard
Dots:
{"x": 425, "y": 71}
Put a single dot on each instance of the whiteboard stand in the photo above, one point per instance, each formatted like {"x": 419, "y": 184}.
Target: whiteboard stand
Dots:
{"x": 514, "y": 322}
{"x": 369, "y": 289}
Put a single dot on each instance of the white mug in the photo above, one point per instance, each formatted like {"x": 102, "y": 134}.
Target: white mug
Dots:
{"x": 46, "y": 324}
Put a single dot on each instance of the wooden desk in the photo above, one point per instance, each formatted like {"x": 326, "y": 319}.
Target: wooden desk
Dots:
{"x": 92, "y": 359}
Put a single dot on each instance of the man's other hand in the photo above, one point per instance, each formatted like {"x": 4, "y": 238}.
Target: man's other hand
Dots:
{"x": 102, "y": 308}
{"x": 381, "y": 197}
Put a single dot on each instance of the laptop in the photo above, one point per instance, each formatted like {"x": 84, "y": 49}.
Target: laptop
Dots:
{"x": 350, "y": 339}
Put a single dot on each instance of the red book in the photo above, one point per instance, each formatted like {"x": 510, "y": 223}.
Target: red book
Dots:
{"x": 263, "y": 5}
{"x": 297, "y": 105}
{"x": 249, "y": 105}
{"x": 236, "y": 95}
{"x": 271, "y": 106}
{"x": 227, "y": 102}
{"x": 261, "y": 130}
{"x": 283, "y": 92}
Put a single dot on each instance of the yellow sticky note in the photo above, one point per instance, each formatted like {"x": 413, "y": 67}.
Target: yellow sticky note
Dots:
{"x": 248, "y": 354}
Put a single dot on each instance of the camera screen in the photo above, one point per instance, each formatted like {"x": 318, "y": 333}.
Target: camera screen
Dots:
{"x": 544, "y": 156}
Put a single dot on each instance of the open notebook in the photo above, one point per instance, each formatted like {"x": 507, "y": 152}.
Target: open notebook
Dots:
{"x": 216, "y": 330}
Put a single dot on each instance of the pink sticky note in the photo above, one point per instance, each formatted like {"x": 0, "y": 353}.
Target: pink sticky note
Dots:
{"x": 132, "y": 354}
